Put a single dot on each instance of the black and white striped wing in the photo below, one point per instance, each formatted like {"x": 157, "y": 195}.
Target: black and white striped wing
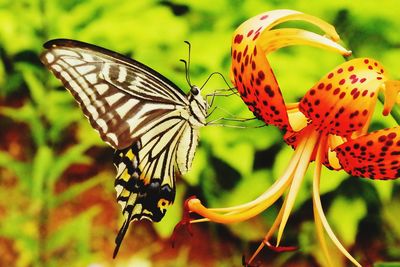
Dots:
{"x": 121, "y": 97}
{"x": 145, "y": 182}
{"x": 139, "y": 113}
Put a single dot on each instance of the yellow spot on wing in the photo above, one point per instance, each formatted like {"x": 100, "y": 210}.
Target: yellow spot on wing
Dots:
{"x": 125, "y": 193}
{"x": 130, "y": 155}
{"x": 163, "y": 204}
{"x": 125, "y": 176}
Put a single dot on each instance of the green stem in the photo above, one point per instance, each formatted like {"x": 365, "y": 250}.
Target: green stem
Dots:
{"x": 395, "y": 110}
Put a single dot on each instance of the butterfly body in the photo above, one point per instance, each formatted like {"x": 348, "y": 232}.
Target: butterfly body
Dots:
{"x": 151, "y": 123}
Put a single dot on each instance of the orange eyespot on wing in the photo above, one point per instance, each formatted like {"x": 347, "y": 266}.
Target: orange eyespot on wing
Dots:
{"x": 375, "y": 155}
{"x": 163, "y": 204}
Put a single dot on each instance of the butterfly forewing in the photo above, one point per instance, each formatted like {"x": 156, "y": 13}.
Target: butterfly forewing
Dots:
{"x": 148, "y": 120}
{"x": 114, "y": 92}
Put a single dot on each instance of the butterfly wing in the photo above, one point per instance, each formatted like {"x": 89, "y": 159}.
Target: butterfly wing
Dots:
{"x": 121, "y": 97}
{"x": 138, "y": 112}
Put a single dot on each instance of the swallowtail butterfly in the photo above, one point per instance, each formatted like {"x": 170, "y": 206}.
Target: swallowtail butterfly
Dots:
{"x": 148, "y": 120}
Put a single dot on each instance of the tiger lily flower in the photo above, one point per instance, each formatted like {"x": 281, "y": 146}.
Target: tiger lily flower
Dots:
{"x": 329, "y": 125}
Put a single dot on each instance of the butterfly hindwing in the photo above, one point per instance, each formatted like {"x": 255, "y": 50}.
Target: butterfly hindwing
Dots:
{"x": 139, "y": 199}
{"x": 145, "y": 181}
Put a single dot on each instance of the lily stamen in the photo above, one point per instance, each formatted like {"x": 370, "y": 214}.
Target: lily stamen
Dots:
{"x": 296, "y": 169}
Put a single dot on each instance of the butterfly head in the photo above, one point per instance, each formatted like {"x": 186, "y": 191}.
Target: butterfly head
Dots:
{"x": 194, "y": 90}
{"x": 195, "y": 94}
{"x": 198, "y": 106}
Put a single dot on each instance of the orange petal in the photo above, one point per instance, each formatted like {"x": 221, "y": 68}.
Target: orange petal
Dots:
{"x": 343, "y": 101}
{"x": 251, "y": 72}
{"x": 392, "y": 95}
{"x": 293, "y": 138}
{"x": 375, "y": 155}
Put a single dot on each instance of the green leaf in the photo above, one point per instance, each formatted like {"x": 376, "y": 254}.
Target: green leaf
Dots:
{"x": 42, "y": 162}
{"x": 72, "y": 155}
{"x": 35, "y": 87}
{"x": 253, "y": 229}
{"x": 239, "y": 155}
{"x": 199, "y": 163}
{"x": 282, "y": 161}
{"x": 2, "y": 76}
{"x": 29, "y": 115}
{"x": 384, "y": 189}
{"x": 307, "y": 237}
{"x": 86, "y": 135}
{"x": 61, "y": 111}
{"x": 387, "y": 264}
{"x": 77, "y": 189}
{"x": 249, "y": 188}
{"x": 390, "y": 214}
{"x": 20, "y": 227}
{"x": 331, "y": 179}
{"x": 345, "y": 214}
{"x": 20, "y": 168}
{"x": 77, "y": 230}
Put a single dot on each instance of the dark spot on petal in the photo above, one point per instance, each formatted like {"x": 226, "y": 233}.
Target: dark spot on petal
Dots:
{"x": 261, "y": 75}
{"x": 269, "y": 91}
{"x": 238, "y": 39}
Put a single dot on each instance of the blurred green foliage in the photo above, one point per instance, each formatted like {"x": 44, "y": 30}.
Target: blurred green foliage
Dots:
{"x": 57, "y": 203}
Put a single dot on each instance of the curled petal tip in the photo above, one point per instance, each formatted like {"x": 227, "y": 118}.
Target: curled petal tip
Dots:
{"x": 191, "y": 201}
{"x": 251, "y": 72}
{"x": 348, "y": 53}
{"x": 392, "y": 92}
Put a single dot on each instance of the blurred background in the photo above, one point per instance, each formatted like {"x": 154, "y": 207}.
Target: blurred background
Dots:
{"x": 57, "y": 198}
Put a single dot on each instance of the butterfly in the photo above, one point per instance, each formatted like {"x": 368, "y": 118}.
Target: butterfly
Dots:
{"x": 149, "y": 121}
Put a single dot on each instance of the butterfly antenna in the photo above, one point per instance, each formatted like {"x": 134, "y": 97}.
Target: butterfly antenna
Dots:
{"x": 222, "y": 76}
{"x": 187, "y": 64}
